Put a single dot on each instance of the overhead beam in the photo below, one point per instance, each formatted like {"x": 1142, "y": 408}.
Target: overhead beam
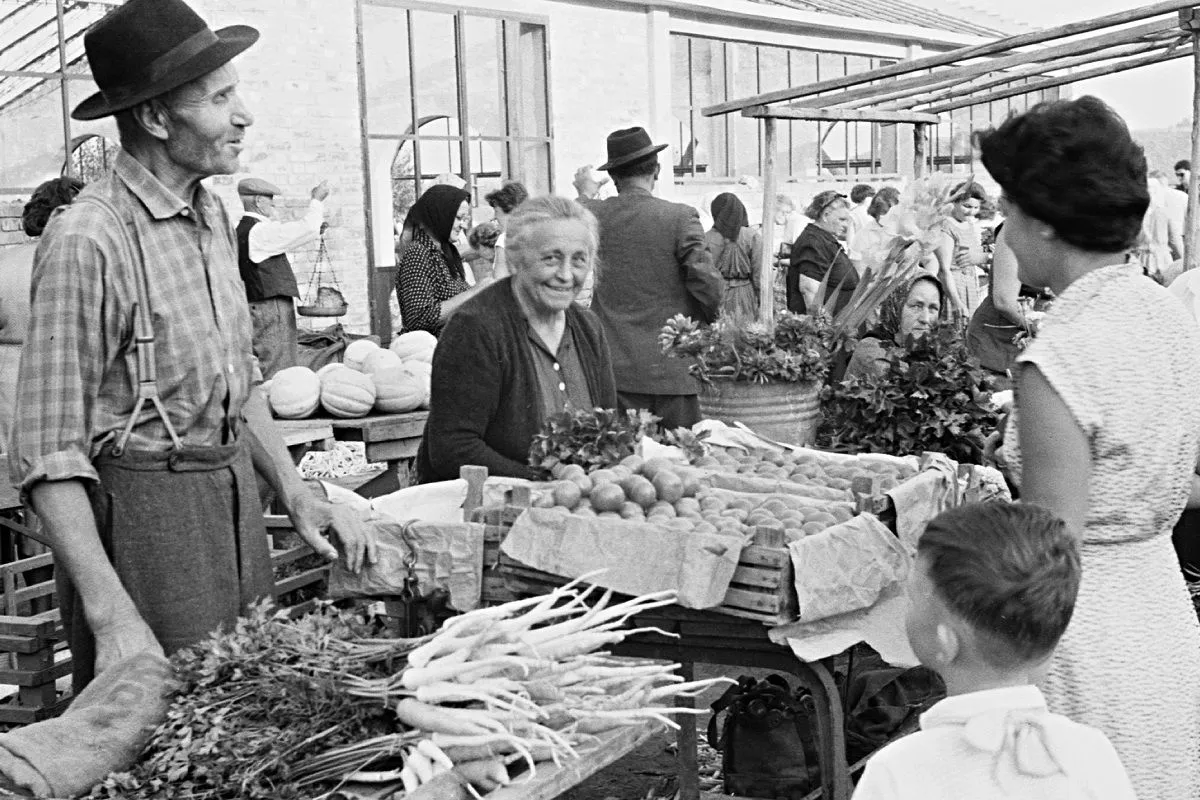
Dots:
{"x": 1061, "y": 80}
{"x": 953, "y": 56}
{"x": 1162, "y": 28}
{"x": 908, "y": 98}
{"x": 839, "y": 114}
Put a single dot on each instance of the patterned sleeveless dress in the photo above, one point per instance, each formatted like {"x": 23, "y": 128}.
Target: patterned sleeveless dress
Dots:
{"x": 1125, "y": 358}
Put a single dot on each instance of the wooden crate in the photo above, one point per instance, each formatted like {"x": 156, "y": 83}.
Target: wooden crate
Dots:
{"x": 31, "y": 637}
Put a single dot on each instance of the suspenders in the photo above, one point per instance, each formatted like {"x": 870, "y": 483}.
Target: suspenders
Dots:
{"x": 143, "y": 339}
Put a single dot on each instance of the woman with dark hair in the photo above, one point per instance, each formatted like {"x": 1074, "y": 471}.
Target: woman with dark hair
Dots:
{"x": 960, "y": 251}
{"x": 503, "y": 202}
{"x": 818, "y": 252}
{"x": 906, "y": 315}
{"x": 16, "y": 271}
{"x": 736, "y": 250}
{"x": 431, "y": 283}
{"x": 873, "y": 240}
{"x": 1105, "y": 431}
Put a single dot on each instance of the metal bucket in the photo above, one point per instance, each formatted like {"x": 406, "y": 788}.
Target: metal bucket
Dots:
{"x": 785, "y": 412}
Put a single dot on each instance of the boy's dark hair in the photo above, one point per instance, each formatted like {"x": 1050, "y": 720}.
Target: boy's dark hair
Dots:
{"x": 45, "y": 198}
{"x": 1183, "y": 163}
{"x": 860, "y": 192}
{"x": 508, "y": 196}
{"x": 1010, "y": 570}
{"x": 883, "y": 202}
{"x": 635, "y": 169}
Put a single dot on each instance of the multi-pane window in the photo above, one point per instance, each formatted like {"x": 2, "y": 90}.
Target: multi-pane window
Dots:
{"x": 43, "y": 73}
{"x": 708, "y": 71}
{"x": 455, "y": 92}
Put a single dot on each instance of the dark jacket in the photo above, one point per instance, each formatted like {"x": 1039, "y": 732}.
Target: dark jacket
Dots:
{"x": 654, "y": 264}
{"x": 272, "y": 277}
{"x": 485, "y": 407}
{"x": 816, "y": 252}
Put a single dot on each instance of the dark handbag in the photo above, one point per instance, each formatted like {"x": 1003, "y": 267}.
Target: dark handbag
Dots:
{"x": 764, "y": 732}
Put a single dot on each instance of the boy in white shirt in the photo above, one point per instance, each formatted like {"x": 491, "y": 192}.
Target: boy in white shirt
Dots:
{"x": 992, "y": 592}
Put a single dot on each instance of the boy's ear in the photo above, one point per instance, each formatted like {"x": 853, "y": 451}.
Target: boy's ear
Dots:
{"x": 949, "y": 644}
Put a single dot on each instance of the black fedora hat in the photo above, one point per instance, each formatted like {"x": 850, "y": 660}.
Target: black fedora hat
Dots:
{"x": 628, "y": 145}
{"x": 147, "y": 47}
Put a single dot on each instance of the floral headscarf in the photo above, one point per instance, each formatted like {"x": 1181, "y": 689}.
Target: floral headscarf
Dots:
{"x": 892, "y": 307}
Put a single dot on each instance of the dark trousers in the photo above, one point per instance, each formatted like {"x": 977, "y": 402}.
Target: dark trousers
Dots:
{"x": 184, "y": 531}
{"x": 274, "y": 323}
{"x": 676, "y": 410}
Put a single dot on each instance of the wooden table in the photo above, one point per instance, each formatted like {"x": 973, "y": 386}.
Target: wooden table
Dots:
{"x": 391, "y": 438}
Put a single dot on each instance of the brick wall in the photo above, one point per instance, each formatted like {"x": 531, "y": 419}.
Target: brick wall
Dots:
{"x": 10, "y": 223}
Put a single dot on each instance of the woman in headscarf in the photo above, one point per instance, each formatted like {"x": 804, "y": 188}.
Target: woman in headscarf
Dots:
{"x": 906, "y": 316}
{"x": 431, "y": 283}
{"x": 736, "y": 250}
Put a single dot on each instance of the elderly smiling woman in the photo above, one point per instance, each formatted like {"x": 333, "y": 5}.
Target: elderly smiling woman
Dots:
{"x": 520, "y": 350}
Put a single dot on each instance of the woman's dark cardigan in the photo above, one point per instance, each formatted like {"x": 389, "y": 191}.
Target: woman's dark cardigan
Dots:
{"x": 485, "y": 405}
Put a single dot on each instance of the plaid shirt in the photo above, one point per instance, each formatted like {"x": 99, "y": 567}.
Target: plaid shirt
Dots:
{"x": 77, "y": 381}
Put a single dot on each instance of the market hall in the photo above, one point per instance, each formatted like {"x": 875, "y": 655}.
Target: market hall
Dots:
{"x": 776, "y": 345}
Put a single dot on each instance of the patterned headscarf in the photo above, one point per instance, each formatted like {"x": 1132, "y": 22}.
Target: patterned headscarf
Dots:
{"x": 892, "y": 307}
{"x": 729, "y": 215}
{"x": 434, "y": 212}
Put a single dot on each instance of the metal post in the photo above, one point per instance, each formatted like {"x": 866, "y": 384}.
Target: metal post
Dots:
{"x": 766, "y": 266}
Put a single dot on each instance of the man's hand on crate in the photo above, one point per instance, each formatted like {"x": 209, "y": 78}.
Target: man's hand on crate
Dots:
{"x": 349, "y": 527}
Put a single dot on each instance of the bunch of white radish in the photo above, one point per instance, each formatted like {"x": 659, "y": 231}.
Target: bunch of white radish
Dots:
{"x": 521, "y": 681}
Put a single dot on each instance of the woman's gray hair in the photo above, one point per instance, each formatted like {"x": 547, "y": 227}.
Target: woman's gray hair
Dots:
{"x": 539, "y": 210}
{"x": 824, "y": 201}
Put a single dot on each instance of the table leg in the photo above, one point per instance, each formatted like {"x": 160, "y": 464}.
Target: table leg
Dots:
{"x": 831, "y": 743}
{"x": 687, "y": 756}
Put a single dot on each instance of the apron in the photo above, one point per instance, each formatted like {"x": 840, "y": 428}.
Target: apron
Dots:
{"x": 182, "y": 527}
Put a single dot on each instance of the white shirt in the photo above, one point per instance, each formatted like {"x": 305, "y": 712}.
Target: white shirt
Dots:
{"x": 1177, "y": 203}
{"x": 1000, "y": 744}
{"x": 270, "y": 238}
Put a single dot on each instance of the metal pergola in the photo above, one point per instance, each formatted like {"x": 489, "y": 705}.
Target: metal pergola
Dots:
{"x": 919, "y": 91}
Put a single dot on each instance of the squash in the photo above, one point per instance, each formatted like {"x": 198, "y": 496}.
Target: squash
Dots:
{"x": 347, "y": 393}
{"x": 419, "y": 368}
{"x": 330, "y": 367}
{"x": 380, "y": 359}
{"x": 295, "y": 392}
{"x": 398, "y": 391}
{"x": 417, "y": 345}
{"x": 357, "y": 351}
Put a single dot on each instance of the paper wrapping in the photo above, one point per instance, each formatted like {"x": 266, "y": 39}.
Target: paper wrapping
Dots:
{"x": 636, "y": 557}
{"x": 881, "y": 626}
{"x": 846, "y": 567}
{"x": 449, "y": 556}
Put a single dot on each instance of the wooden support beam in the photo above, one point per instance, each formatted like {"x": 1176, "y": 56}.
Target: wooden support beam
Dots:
{"x": 1093, "y": 44}
{"x": 766, "y": 264}
{"x": 943, "y": 59}
{"x": 1189, "y": 20}
{"x": 919, "y": 158}
{"x": 909, "y": 98}
{"x": 1060, "y": 80}
{"x": 839, "y": 114}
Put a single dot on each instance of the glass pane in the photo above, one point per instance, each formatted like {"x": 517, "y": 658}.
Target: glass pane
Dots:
{"x": 535, "y": 172}
{"x": 485, "y": 79}
{"x": 530, "y": 74}
{"x": 709, "y": 83}
{"x": 830, "y": 65}
{"x": 32, "y": 141}
{"x": 746, "y": 134}
{"x": 28, "y": 36}
{"x": 857, "y": 64}
{"x": 681, "y": 88}
{"x": 436, "y": 78}
{"x": 393, "y": 190}
{"x": 743, "y": 65}
{"x": 804, "y": 67}
{"x": 773, "y": 69}
{"x": 385, "y": 67}
{"x": 487, "y": 159}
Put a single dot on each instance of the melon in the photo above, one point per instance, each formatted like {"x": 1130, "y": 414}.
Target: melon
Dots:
{"x": 419, "y": 367}
{"x": 418, "y": 345}
{"x": 380, "y": 359}
{"x": 295, "y": 392}
{"x": 330, "y": 367}
{"x": 357, "y": 351}
{"x": 398, "y": 391}
{"x": 347, "y": 393}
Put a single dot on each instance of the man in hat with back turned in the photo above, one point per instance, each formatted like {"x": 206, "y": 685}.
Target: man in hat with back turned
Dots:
{"x": 654, "y": 265}
{"x": 263, "y": 244}
{"x": 139, "y": 427}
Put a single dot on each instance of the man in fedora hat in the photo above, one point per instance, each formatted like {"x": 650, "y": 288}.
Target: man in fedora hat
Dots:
{"x": 138, "y": 426}
{"x": 263, "y": 245}
{"x": 655, "y": 265}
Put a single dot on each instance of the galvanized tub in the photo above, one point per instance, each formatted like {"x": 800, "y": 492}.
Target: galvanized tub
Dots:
{"x": 783, "y": 411}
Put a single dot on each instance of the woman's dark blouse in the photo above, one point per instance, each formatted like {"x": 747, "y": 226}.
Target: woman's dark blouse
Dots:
{"x": 815, "y": 253}
{"x": 423, "y": 282}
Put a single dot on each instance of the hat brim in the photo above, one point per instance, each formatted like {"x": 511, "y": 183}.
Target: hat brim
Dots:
{"x": 629, "y": 158}
{"x": 231, "y": 42}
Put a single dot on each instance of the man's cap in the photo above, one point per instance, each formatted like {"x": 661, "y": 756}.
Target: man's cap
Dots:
{"x": 148, "y": 47}
{"x": 257, "y": 187}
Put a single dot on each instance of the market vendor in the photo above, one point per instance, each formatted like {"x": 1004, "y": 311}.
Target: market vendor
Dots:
{"x": 520, "y": 350}
{"x": 908, "y": 313}
{"x": 139, "y": 456}
{"x": 817, "y": 255}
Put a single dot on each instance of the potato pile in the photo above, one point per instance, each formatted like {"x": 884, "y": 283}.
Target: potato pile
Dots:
{"x": 661, "y": 492}
{"x": 808, "y": 468}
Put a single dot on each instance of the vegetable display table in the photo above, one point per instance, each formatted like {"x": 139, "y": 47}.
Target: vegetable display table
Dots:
{"x": 392, "y": 438}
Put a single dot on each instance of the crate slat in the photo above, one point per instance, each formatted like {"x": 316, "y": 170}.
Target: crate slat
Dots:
{"x": 21, "y": 677}
{"x": 307, "y": 578}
